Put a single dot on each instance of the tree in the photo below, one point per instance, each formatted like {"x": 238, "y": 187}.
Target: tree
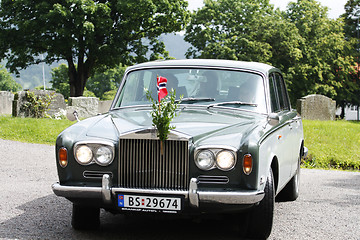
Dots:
{"x": 7, "y": 83}
{"x": 309, "y": 48}
{"x": 104, "y": 82}
{"x": 88, "y": 34}
{"x": 325, "y": 67}
{"x": 60, "y": 80}
{"x": 244, "y": 30}
{"x": 352, "y": 33}
{"x": 222, "y": 29}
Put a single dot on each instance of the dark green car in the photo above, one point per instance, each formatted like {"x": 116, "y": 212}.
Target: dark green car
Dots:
{"x": 236, "y": 145}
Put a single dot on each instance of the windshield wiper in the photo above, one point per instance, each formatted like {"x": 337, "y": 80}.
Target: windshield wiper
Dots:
{"x": 233, "y": 103}
{"x": 190, "y": 99}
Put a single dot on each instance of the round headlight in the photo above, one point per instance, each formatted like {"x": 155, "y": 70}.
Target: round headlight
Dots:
{"x": 84, "y": 154}
{"x": 205, "y": 160}
{"x": 225, "y": 160}
{"x": 103, "y": 155}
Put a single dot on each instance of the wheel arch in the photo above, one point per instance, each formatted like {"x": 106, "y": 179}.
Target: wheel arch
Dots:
{"x": 275, "y": 169}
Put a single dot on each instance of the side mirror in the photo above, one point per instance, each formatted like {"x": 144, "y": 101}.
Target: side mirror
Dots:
{"x": 72, "y": 115}
{"x": 273, "y": 119}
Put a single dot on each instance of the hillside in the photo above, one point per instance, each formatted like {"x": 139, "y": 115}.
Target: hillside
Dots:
{"x": 33, "y": 76}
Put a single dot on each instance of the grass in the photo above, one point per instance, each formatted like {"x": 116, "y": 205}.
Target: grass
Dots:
{"x": 32, "y": 130}
{"x": 331, "y": 144}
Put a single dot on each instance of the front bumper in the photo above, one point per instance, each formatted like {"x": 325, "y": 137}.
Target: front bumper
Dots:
{"x": 194, "y": 195}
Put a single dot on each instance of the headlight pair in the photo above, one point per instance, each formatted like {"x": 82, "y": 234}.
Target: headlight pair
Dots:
{"x": 223, "y": 159}
{"x": 90, "y": 152}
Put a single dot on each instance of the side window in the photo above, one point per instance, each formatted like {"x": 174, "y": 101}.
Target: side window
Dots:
{"x": 283, "y": 97}
{"x": 278, "y": 95}
{"x": 273, "y": 96}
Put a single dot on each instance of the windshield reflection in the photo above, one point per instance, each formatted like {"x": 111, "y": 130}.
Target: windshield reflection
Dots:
{"x": 197, "y": 86}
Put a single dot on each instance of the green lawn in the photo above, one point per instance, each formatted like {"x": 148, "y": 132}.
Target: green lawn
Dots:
{"x": 31, "y": 130}
{"x": 331, "y": 144}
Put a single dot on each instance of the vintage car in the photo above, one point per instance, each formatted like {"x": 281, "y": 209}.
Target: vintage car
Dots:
{"x": 237, "y": 144}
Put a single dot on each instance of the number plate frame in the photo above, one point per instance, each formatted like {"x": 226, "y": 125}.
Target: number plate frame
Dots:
{"x": 150, "y": 203}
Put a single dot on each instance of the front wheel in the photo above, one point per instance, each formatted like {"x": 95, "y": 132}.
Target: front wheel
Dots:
{"x": 84, "y": 217}
{"x": 260, "y": 220}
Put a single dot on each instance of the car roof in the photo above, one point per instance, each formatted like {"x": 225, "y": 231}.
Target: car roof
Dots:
{"x": 254, "y": 66}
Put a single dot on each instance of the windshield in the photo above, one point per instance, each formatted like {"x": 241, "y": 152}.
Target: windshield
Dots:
{"x": 197, "y": 86}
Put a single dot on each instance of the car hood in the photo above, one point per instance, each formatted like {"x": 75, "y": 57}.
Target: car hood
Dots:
{"x": 204, "y": 127}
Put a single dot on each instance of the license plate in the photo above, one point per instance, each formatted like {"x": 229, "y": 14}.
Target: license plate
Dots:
{"x": 149, "y": 202}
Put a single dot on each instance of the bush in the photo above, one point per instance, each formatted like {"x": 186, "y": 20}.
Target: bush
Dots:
{"x": 34, "y": 105}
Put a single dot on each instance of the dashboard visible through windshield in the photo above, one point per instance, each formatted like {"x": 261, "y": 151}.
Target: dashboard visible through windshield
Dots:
{"x": 209, "y": 87}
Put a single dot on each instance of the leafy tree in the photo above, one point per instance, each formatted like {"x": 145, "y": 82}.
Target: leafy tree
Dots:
{"x": 102, "y": 85}
{"x": 7, "y": 83}
{"x": 223, "y": 29}
{"x": 60, "y": 80}
{"x": 351, "y": 17}
{"x": 244, "y": 30}
{"x": 106, "y": 81}
{"x": 88, "y": 34}
{"x": 352, "y": 33}
{"x": 303, "y": 42}
{"x": 325, "y": 66}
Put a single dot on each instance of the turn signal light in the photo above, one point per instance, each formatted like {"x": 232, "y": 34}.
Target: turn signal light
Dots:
{"x": 63, "y": 157}
{"x": 247, "y": 164}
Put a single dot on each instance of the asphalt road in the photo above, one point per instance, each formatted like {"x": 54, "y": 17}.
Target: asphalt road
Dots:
{"x": 328, "y": 206}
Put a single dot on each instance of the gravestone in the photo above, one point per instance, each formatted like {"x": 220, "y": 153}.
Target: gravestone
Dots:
{"x": 104, "y": 106}
{"x": 316, "y": 107}
{"x": 85, "y": 106}
{"x": 6, "y": 99}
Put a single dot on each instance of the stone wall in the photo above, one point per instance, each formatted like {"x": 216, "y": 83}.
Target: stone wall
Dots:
{"x": 85, "y": 106}
{"x": 104, "y": 106}
{"x": 6, "y": 99}
{"x": 316, "y": 107}
{"x": 57, "y": 102}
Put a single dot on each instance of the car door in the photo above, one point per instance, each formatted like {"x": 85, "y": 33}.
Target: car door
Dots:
{"x": 280, "y": 105}
{"x": 292, "y": 124}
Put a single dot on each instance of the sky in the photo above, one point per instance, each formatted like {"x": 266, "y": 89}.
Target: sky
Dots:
{"x": 336, "y": 7}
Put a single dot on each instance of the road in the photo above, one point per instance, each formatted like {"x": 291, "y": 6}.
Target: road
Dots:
{"x": 328, "y": 206}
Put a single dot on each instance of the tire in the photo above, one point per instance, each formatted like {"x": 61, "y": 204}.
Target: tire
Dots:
{"x": 291, "y": 190}
{"x": 85, "y": 218}
{"x": 260, "y": 220}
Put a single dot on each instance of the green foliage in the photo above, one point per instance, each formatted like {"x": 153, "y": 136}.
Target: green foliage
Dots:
{"x": 88, "y": 93}
{"x": 226, "y": 29}
{"x": 351, "y": 16}
{"x": 92, "y": 34}
{"x": 34, "y": 105}
{"x": 325, "y": 67}
{"x": 309, "y": 48}
{"x": 352, "y": 34}
{"x": 7, "y": 83}
{"x": 33, "y": 130}
{"x": 109, "y": 95}
{"x": 332, "y": 144}
{"x": 101, "y": 85}
{"x": 108, "y": 80}
{"x": 60, "y": 80}
{"x": 163, "y": 112}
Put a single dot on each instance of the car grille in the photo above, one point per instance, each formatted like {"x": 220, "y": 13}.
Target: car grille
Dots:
{"x": 142, "y": 165}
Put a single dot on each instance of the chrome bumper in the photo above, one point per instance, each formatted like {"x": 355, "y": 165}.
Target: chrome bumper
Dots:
{"x": 194, "y": 196}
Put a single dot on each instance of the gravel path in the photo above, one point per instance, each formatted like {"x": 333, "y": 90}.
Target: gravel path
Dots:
{"x": 328, "y": 206}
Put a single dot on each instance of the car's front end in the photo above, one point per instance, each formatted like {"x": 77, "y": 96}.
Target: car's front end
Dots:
{"x": 131, "y": 171}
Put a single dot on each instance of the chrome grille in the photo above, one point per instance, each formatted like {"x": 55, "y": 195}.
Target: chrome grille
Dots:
{"x": 142, "y": 164}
